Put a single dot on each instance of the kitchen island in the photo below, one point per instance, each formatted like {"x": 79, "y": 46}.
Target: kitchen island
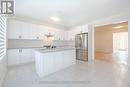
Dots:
{"x": 48, "y": 61}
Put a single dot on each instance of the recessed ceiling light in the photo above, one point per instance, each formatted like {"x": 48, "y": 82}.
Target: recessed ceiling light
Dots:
{"x": 117, "y": 27}
{"x": 55, "y": 18}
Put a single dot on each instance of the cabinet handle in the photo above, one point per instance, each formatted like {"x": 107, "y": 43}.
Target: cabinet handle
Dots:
{"x": 20, "y": 37}
{"x": 37, "y": 38}
{"x": 19, "y": 50}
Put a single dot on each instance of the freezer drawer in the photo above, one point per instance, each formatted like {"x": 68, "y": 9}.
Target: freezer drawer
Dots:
{"x": 82, "y": 55}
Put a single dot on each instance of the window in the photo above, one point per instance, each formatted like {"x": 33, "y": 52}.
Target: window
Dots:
{"x": 120, "y": 41}
{"x": 2, "y": 36}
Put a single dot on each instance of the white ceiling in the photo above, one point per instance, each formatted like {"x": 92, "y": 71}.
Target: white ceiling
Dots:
{"x": 71, "y": 12}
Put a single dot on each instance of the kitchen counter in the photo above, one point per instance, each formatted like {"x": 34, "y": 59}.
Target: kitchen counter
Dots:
{"x": 48, "y": 61}
{"x": 25, "y": 48}
{"x": 43, "y": 50}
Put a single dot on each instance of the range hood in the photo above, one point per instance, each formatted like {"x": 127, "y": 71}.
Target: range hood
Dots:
{"x": 48, "y": 40}
{"x": 49, "y": 35}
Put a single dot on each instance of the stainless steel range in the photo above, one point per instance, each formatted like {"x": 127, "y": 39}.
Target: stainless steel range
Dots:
{"x": 81, "y": 44}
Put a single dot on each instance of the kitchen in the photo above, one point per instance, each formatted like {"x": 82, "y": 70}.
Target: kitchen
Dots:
{"x": 22, "y": 44}
{"x": 51, "y": 43}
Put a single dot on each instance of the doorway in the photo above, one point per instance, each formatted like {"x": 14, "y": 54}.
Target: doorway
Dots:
{"x": 111, "y": 43}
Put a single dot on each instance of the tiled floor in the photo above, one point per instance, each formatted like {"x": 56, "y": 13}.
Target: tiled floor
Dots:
{"x": 97, "y": 74}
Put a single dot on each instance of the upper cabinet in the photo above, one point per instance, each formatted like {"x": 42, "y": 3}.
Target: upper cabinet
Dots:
{"x": 60, "y": 35}
{"x": 84, "y": 28}
{"x": 76, "y": 30}
{"x": 14, "y": 29}
{"x": 25, "y": 30}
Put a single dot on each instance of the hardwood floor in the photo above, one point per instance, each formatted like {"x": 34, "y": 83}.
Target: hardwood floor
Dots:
{"x": 120, "y": 57}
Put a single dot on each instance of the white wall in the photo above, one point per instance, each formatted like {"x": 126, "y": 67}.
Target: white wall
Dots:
{"x": 104, "y": 39}
{"x": 104, "y": 42}
{"x": 91, "y": 48}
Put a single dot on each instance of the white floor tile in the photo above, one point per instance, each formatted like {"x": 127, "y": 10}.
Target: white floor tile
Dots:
{"x": 98, "y": 74}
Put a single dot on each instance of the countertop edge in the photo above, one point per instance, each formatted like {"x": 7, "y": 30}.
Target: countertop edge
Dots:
{"x": 54, "y": 50}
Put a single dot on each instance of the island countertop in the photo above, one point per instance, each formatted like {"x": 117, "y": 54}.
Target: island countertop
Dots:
{"x": 54, "y": 49}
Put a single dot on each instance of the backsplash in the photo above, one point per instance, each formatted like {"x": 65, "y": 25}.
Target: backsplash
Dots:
{"x": 15, "y": 43}
{"x": 12, "y": 43}
{"x": 64, "y": 43}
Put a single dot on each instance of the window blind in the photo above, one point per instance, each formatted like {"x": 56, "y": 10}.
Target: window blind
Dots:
{"x": 2, "y": 36}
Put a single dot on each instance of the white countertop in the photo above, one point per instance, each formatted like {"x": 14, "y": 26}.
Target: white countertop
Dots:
{"x": 55, "y": 49}
{"x": 25, "y": 48}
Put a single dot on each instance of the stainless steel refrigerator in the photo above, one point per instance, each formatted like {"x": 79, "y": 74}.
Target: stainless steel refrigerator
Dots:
{"x": 81, "y": 44}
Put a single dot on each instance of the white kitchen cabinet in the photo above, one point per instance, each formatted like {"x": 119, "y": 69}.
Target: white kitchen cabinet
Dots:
{"x": 14, "y": 29}
{"x": 25, "y": 30}
{"x": 58, "y": 61}
{"x": 60, "y": 35}
{"x": 40, "y": 34}
{"x": 25, "y": 56}
{"x": 33, "y": 31}
{"x": 66, "y": 35}
{"x": 17, "y": 30}
{"x": 57, "y": 36}
{"x": 13, "y": 57}
{"x": 50, "y": 62}
{"x": 84, "y": 28}
{"x": 20, "y": 56}
{"x": 32, "y": 56}
{"x": 76, "y": 30}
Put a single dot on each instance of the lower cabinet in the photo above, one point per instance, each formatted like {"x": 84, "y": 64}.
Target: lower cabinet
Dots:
{"x": 13, "y": 57}
{"x": 50, "y": 62}
{"x": 20, "y": 56}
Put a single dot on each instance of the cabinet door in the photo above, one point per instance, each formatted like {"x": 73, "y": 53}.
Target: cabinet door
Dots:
{"x": 26, "y": 56}
{"x": 66, "y": 35}
{"x": 71, "y": 35}
{"x": 40, "y": 33}
{"x": 25, "y": 30}
{"x": 57, "y": 36}
{"x": 32, "y": 56}
{"x": 14, "y": 28}
{"x": 13, "y": 57}
{"x": 85, "y": 28}
{"x": 61, "y": 35}
{"x": 58, "y": 60}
